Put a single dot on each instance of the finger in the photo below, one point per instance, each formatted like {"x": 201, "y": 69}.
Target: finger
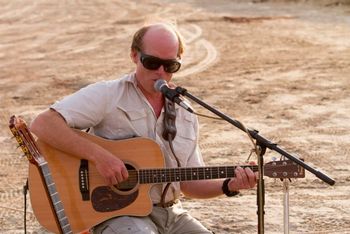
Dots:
{"x": 243, "y": 178}
{"x": 238, "y": 178}
{"x": 119, "y": 176}
{"x": 251, "y": 177}
{"x": 125, "y": 173}
{"x": 112, "y": 181}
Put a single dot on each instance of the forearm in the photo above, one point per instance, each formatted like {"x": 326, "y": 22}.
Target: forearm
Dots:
{"x": 51, "y": 128}
{"x": 202, "y": 188}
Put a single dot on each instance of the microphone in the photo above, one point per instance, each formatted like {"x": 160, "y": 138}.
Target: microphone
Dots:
{"x": 171, "y": 94}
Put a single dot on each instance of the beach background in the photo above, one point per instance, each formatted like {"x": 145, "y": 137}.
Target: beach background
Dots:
{"x": 281, "y": 67}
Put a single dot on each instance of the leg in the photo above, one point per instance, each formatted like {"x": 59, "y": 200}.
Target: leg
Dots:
{"x": 186, "y": 224}
{"x": 126, "y": 225}
{"x": 176, "y": 220}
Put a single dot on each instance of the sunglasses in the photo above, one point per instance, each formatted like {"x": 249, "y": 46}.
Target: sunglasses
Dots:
{"x": 153, "y": 63}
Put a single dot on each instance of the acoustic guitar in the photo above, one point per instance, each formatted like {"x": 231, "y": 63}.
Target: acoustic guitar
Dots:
{"x": 88, "y": 201}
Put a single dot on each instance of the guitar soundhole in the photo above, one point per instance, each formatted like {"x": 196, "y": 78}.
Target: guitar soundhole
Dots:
{"x": 131, "y": 182}
{"x": 106, "y": 199}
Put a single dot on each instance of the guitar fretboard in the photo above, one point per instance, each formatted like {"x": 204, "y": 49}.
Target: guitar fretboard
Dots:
{"x": 147, "y": 176}
{"x": 56, "y": 201}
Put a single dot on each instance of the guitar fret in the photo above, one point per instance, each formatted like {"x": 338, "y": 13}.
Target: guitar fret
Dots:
{"x": 156, "y": 177}
{"x": 64, "y": 218}
{"x": 52, "y": 189}
{"x": 163, "y": 176}
{"x": 222, "y": 173}
{"x": 189, "y": 174}
{"x": 200, "y": 173}
{"x": 64, "y": 222}
{"x": 231, "y": 172}
{"x": 177, "y": 174}
{"x": 60, "y": 214}
{"x": 59, "y": 205}
{"x": 159, "y": 175}
{"x": 147, "y": 179}
{"x": 167, "y": 175}
{"x": 215, "y": 171}
{"x": 57, "y": 202}
{"x": 149, "y": 175}
{"x": 207, "y": 173}
{"x": 67, "y": 229}
{"x": 155, "y": 172}
{"x": 144, "y": 177}
{"x": 194, "y": 174}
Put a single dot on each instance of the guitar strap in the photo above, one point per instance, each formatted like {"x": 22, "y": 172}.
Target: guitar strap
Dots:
{"x": 169, "y": 134}
{"x": 169, "y": 131}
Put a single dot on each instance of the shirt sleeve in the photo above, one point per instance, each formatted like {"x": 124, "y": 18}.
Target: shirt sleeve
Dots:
{"x": 84, "y": 108}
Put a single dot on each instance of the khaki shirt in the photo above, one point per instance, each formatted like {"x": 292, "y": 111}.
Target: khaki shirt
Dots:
{"x": 117, "y": 109}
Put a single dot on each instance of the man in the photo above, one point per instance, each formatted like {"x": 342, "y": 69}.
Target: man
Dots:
{"x": 130, "y": 107}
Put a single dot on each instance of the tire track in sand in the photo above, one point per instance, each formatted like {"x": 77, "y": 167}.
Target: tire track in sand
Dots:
{"x": 193, "y": 37}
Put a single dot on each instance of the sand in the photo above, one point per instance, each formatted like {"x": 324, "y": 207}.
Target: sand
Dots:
{"x": 281, "y": 68}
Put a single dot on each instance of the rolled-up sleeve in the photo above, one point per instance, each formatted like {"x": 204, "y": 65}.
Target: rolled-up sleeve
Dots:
{"x": 85, "y": 108}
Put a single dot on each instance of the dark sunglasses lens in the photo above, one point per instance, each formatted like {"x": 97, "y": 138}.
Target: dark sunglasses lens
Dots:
{"x": 172, "y": 67}
{"x": 151, "y": 63}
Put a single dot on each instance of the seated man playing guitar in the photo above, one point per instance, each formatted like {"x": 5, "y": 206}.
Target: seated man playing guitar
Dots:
{"x": 131, "y": 107}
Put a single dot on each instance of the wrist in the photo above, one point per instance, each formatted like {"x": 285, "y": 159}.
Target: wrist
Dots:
{"x": 226, "y": 190}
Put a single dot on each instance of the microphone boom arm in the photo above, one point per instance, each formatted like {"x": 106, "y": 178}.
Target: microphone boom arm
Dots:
{"x": 260, "y": 140}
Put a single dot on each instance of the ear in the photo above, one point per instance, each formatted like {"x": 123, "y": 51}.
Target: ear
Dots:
{"x": 134, "y": 55}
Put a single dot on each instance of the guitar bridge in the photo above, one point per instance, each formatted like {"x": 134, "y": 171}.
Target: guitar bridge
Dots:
{"x": 84, "y": 180}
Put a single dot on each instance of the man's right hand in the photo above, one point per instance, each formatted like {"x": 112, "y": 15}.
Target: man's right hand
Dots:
{"x": 112, "y": 169}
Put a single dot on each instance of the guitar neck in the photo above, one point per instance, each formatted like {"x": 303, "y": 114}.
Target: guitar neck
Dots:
{"x": 149, "y": 176}
{"x": 55, "y": 199}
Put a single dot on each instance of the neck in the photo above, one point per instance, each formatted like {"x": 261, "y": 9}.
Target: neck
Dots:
{"x": 155, "y": 99}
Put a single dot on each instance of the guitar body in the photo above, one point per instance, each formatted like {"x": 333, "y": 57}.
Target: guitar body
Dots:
{"x": 84, "y": 214}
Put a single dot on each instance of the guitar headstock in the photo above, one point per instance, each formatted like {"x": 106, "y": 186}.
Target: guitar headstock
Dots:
{"x": 25, "y": 140}
{"x": 284, "y": 169}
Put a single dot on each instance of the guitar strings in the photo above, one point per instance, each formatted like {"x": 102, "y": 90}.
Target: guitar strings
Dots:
{"x": 163, "y": 175}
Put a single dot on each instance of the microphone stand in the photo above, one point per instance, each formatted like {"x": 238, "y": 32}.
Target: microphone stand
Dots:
{"x": 262, "y": 144}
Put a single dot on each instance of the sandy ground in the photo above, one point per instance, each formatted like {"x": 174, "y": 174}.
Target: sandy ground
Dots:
{"x": 280, "y": 68}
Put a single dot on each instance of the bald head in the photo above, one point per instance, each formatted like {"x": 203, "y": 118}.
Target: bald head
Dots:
{"x": 160, "y": 35}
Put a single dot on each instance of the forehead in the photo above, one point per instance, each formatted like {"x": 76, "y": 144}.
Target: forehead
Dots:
{"x": 161, "y": 42}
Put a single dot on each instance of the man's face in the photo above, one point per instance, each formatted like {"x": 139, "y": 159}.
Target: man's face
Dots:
{"x": 159, "y": 44}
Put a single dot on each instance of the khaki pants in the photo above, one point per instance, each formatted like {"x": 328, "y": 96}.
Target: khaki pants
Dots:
{"x": 172, "y": 220}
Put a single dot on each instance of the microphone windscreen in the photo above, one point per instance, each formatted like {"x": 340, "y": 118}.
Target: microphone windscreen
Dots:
{"x": 158, "y": 84}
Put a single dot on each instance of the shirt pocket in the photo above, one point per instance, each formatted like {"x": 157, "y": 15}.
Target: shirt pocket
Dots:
{"x": 130, "y": 122}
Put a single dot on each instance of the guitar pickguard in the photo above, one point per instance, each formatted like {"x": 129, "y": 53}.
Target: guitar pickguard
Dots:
{"x": 104, "y": 199}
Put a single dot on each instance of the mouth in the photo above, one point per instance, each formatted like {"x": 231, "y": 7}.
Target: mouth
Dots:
{"x": 159, "y": 78}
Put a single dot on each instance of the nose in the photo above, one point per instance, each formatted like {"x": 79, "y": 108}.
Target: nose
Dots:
{"x": 161, "y": 70}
